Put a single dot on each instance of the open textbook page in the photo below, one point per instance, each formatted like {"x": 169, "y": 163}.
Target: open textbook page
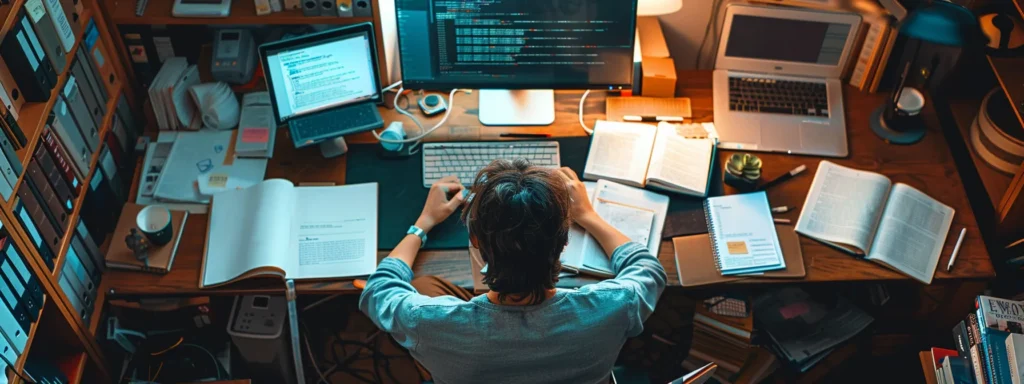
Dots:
{"x": 912, "y": 232}
{"x": 843, "y": 207}
{"x": 637, "y": 213}
{"x": 275, "y": 228}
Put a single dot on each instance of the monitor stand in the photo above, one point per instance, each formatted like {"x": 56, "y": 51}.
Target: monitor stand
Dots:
{"x": 518, "y": 107}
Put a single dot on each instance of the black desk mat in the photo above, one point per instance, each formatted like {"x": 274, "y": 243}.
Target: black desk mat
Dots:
{"x": 401, "y": 195}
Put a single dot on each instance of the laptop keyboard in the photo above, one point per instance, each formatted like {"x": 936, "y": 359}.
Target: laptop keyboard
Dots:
{"x": 464, "y": 160}
{"x": 340, "y": 121}
{"x": 747, "y": 94}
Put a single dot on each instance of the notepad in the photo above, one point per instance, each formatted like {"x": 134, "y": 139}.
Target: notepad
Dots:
{"x": 743, "y": 236}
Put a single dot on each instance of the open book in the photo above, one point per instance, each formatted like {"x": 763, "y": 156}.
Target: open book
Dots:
{"x": 638, "y": 214}
{"x": 864, "y": 214}
{"x": 671, "y": 157}
{"x": 276, "y": 229}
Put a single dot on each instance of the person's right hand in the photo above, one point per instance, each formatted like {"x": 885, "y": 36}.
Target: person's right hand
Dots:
{"x": 579, "y": 207}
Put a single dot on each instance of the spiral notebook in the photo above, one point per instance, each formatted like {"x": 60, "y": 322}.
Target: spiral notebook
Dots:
{"x": 743, "y": 237}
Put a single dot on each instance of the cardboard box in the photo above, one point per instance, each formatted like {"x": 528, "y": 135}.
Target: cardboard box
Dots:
{"x": 657, "y": 69}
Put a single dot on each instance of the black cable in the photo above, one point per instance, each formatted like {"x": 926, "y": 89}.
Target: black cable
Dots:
{"x": 707, "y": 30}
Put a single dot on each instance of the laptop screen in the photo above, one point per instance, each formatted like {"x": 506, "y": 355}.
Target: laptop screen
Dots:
{"x": 322, "y": 74}
{"x": 800, "y": 41}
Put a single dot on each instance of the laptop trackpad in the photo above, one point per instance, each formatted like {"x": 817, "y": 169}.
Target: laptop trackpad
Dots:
{"x": 778, "y": 135}
{"x": 818, "y": 137}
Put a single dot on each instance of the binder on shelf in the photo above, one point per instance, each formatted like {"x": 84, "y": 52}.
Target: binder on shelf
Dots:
{"x": 91, "y": 246}
{"x": 11, "y": 95}
{"x": 80, "y": 112}
{"x": 47, "y": 32}
{"x": 6, "y": 186}
{"x": 35, "y": 210}
{"x": 8, "y": 171}
{"x": 26, "y": 221}
{"x": 95, "y": 272}
{"x": 28, "y": 64}
{"x": 43, "y": 214}
{"x": 51, "y": 203}
{"x": 128, "y": 119}
{"x": 17, "y": 259}
{"x": 65, "y": 32}
{"x": 100, "y": 208}
{"x": 97, "y": 109}
{"x": 21, "y": 291}
{"x": 13, "y": 343}
{"x": 74, "y": 10}
{"x": 73, "y": 296}
{"x": 141, "y": 46}
{"x": 60, "y": 159}
{"x": 101, "y": 58}
{"x": 7, "y": 146}
{"x": 66, "y": 128}
{"x": 82, "y": 277}
{"x": 55, "y": 178}
{"x": 11, "y": 129}
{"x": 91, "y": 74}
{"x": 13, "y": 304}
{"x": 111, "y": 171}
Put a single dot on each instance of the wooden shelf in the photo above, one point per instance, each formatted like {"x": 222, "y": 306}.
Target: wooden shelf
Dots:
{"x": 994, "y": 181}
{"x": 1010, "y": 72}
{"x": 7, "y": 14}
{"x": 1020, "y": 6}
{"x": 926, "y": 366}
{"x": 33, "y": 116}
{"x": 65, "y": 242}
{"x": 242, "y": 12}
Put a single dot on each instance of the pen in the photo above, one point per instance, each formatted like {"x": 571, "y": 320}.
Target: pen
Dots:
{"x": 526, "y": 135}
{"x": 782, "y": 221}
{"x": 956, "y": 249}
{"x": 651, "y": 119}
{"x": 782, "y": 209}
{"x": 783, "y": 178}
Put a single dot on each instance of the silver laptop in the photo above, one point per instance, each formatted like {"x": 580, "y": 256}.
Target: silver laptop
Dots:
{"x": 777, "y": 86}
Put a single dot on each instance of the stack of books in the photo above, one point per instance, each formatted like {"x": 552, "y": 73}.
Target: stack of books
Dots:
{"x": 989, "y": 345}
{"x": 803, "y": 331}
{"x": 726, "y": 341}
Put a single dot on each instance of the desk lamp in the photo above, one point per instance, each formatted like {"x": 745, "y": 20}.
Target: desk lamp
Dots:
{"x": 936, "y": 33}
{"x": 658, "y": 7}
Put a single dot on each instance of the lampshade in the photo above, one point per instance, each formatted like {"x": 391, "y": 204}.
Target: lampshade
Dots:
{"x": 940, "y": 23}
{"x": 658, "y": 7}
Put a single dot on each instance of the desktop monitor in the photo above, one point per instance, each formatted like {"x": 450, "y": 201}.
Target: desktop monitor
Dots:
{"x": 516, "y": 51}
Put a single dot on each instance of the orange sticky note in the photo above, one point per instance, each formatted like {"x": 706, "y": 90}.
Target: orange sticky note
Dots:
{"x": 255, "y": 135}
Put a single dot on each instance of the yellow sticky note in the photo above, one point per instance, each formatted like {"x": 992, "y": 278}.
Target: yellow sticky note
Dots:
{"x": 737, "y": 247}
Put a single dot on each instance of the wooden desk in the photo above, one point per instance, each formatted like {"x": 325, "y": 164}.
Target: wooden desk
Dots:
{"x": 927, "y": 166}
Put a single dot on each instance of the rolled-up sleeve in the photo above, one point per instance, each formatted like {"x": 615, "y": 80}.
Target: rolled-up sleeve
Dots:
{"x": 637, "y": 269}
{"x": 389, "y": 301}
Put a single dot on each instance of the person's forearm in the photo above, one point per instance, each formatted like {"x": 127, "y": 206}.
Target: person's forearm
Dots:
{"x": 407, "y": 249}
{"x": 605, "y": 234}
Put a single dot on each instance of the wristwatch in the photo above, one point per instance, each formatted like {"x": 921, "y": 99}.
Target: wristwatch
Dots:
{"x": 414, "y": 230}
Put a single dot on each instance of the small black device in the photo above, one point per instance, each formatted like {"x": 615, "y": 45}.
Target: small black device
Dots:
{"x": 324, "y": 85}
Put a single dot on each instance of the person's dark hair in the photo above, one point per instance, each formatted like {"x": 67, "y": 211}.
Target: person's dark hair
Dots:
{"x": 519, "y": 215}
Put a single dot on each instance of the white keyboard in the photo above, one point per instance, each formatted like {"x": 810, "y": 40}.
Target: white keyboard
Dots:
{"x": 466, "y": 159}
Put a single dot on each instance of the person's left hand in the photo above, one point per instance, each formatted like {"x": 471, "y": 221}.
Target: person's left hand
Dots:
{"x": 444, "y": 198}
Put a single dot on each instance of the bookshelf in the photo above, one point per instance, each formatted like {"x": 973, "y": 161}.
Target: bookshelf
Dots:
{"x": 243, "y": 12}
{"x": 64, "y": 338}
{"x": 108, "y": 122}
{"x": 33, "y": 115}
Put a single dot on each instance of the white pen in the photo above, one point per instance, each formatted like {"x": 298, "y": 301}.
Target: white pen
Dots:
{"x": 956, "y": 249}
{"x": 782, "y": 221}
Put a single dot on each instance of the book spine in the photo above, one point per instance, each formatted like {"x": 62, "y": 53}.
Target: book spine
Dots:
{"x": 974, "y": 339}
{"x": 711, "y": 235}
{"x": 1011, "y": 358}
{"x": 992, "y": 366}
{"x": 963, "y": 344}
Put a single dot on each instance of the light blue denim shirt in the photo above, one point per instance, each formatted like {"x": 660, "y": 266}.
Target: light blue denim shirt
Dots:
{"x": 573, "y": 337}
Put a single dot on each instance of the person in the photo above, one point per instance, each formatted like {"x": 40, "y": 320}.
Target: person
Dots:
{"x": 524, "y": 330}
